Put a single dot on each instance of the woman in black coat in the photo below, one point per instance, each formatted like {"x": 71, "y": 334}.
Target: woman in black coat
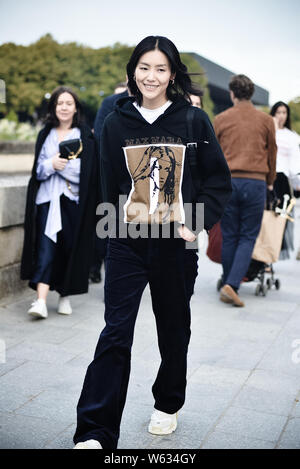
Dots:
{"x": 60, "y": 216}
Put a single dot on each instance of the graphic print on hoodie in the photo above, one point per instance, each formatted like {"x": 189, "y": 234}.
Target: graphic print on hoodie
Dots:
{"x": 149, "y": 165}
{"x": 156, "y": 173}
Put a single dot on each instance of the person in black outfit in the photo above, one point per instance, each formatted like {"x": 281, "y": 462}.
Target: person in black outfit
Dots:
{"x": 142, "y": 158}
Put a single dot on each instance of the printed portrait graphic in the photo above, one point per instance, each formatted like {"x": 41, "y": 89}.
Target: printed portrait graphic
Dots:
{"x": 156, "y": 172}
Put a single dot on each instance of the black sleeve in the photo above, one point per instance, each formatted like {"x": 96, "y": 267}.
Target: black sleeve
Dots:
{"x": 109, "y": 187}
{"x": 97, "y": 173}
{"x": 213, "y": 187}
{"x": 105, "y": 109}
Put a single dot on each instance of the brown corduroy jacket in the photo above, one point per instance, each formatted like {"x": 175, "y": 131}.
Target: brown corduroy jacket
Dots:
{"x": 247, "y": 138}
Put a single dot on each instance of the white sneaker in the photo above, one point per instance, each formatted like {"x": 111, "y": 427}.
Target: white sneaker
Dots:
{"x": 89, "y": 444}
{"x": 162, "y": 423}
{"x": 38, "y": 309}
{"x": 64, "y": 306}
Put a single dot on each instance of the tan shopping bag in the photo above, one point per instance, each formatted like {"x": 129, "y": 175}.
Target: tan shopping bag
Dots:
{"x": 268, "y": 243}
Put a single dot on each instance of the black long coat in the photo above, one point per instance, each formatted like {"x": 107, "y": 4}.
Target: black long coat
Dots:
{"x": 70, "y": 279}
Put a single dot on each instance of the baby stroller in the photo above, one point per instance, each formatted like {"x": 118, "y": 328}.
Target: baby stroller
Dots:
{"x": 267, "y": 247}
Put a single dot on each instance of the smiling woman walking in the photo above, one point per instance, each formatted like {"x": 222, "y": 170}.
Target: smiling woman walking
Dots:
{"x": 61, "y": 206}
{"x": 143, "y": 157}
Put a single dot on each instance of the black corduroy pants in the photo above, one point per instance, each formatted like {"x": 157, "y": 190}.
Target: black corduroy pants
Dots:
{"x": 171, "y": 270}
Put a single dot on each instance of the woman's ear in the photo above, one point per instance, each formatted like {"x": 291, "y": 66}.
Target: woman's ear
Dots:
{"x": 172, "y": 78}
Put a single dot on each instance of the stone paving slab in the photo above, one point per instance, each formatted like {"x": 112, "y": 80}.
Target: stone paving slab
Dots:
{"x": 252, "y": 424}
{"x": 243, "y": 369}
{"x": 23, "y": 432}
{"x": 221, "y": 440}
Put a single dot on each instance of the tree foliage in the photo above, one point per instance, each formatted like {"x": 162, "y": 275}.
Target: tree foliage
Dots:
{"x": 33, "y": 71}
{"x": 295, "y": 114}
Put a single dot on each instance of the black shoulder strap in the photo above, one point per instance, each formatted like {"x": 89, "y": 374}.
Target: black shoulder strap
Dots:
{"x": 191, "y": 145}
{"x": 190, "y": 117}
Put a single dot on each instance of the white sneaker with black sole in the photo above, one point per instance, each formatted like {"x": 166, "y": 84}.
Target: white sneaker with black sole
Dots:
{"x": 89, "y": 444}
{"x": 162, "y": 423}
{"x": 64, "y": 306}
{"x": 38, "y": 309}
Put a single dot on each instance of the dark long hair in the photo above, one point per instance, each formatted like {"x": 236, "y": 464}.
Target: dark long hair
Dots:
{"x": 51, "y": 118}
{"x": 274, "y": 109}
{"x": 182, "y": 86}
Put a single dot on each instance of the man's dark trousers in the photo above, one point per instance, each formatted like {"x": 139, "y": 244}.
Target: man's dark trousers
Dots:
{"x": 131, "y": 264}
{"x": 240, "y": 226}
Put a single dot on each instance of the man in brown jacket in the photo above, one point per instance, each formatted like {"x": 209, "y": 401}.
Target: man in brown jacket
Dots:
{"x": 247, "y": 138}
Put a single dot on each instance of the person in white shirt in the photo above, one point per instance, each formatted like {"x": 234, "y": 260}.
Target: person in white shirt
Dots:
{"x": 287, "y": 165}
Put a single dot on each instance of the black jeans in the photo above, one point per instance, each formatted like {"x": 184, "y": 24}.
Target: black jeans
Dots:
{"x": 171, "y": 271}
{"x": 52, "y": 255}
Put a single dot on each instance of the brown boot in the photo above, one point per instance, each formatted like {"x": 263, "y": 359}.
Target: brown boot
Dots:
{"x": 232, "y": 297}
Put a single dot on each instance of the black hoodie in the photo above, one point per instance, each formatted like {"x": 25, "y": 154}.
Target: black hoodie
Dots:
{"x": 148, "y": 163}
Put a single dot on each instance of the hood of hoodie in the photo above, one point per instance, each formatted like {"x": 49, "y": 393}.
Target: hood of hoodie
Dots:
{"x": 172, "y": 120}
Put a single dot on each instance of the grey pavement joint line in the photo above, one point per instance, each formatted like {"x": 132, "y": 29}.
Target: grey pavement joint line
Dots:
{"x": 213, "y": 428}
{"x": 15, "y": 411}
{"x": 287, "y": 421}
{"x": 57, "y": 436}
{"x": 14, "y": 368}
{"x": 275, "y": 339}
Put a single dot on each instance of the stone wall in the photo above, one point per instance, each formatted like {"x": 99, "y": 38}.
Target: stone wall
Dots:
{"x": 12, "y": 208}
{"x": 15, "y": 166}
{"x": 16, "y": 157}
{"x": 11, "y": 147}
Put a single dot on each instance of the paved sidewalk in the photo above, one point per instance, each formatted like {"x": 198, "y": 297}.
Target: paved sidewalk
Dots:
{"x": 243, "y": 375}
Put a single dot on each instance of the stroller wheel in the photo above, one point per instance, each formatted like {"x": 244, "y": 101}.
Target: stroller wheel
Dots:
{"x": 261, "y": 290}
{"x": 269, "y": 283}
{"x": 219, "y": 284}
{"x": 277, "y": 284}
{"x": 257, "y": 290}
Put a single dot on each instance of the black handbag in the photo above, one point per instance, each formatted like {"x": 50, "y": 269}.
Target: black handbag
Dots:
{"x": 70, "y": 149}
